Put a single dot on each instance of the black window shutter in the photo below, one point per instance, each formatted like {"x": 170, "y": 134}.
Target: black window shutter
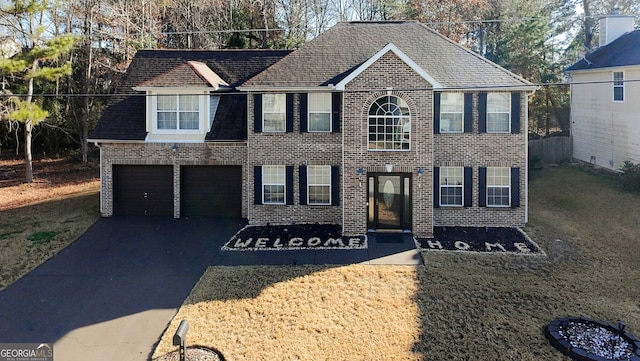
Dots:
{"x": 289, "y": 184}
{"x": 436, "y": 187}
{"x": 515, "y": 113}
{"x": 257, "y": 113}
{"x": 257, "y": 185}
{"x": 336, "y": 100}
{"x": 482, "y": 187}
{"x": 303, "y": 184}
{"x": 468, "y": 112}
{"x": 436, "y": 113}
{"x": 468, "y": 186}
{"x": 482, "y": 113}
{"x": 335, "y": 185}
{"x": 289, "y": 110}
{"x": 515, "y": 187}
{"x": 304, "y": 106}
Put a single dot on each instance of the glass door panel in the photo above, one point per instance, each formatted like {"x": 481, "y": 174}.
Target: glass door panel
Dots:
{"x": 389, "y": 202}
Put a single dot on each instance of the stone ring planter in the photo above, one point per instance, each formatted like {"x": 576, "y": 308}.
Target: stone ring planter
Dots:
{"x": 585, "y": 339}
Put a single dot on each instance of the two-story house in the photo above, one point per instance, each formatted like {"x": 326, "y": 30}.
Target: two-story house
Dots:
{"x": 383, "y": 126}
{"x": 604, "y": 97}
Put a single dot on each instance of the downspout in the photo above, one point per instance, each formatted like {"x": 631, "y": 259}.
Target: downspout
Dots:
{"x": 100, "y": 148}
{"x": 526, "y": 152}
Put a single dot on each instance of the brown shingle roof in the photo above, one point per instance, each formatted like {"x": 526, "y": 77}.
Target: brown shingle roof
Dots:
{"x": 124, "y": 117}
{"x": 332, "y": 56}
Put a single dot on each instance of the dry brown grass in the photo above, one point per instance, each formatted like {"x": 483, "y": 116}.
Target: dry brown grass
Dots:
{"x": 303, "y": 313}
{"x": 456, "y": 307}
{"x": 53, "y": 211}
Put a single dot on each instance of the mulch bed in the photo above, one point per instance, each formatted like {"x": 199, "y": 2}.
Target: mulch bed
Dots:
{"x": 479, "y": 239}
{"x": 293, "y": 237}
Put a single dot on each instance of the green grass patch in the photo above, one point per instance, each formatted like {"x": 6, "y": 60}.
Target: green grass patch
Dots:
{"x": 43, "y": 237}
{"x": 6, "y": 235}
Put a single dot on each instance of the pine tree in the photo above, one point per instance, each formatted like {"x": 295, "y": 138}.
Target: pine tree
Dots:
{"x": 37, "y": 62}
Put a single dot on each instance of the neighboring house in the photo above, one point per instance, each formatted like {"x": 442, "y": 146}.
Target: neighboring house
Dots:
{"x": 372, "y": 125}
{"x": 605, "y": 102}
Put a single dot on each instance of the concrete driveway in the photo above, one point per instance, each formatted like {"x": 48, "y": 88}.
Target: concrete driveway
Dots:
{"x": 111, "y": 294}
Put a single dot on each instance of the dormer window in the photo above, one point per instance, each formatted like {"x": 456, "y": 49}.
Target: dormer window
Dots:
{"x": 178, "y": 112}
{"x": 184, "y": 113}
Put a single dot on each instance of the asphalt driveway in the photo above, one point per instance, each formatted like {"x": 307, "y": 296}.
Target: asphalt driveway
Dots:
{"x": 111, "y": 294}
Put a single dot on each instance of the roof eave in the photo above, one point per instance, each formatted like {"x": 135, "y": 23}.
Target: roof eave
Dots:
{"x": 484, "y": 88}
{"x": 164, "y": 89}
{"x": 107, "y": 140}
{"x": 280, "y": 88}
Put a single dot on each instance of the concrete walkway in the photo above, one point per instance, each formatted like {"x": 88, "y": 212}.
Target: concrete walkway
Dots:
{"x": 111, "y": 294}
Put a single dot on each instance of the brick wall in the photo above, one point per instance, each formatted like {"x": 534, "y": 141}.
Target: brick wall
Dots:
{"x": 163, "y": 154}
{"x": 389, "y": 75}
{"x": 477, "y": 150}
{"x": 291, "y": 149}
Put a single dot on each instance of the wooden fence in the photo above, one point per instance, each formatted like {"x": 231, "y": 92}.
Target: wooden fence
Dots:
{"x": 553, "y": 150}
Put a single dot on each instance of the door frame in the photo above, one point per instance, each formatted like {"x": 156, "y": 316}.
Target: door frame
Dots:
{"x": 406, "y": 189}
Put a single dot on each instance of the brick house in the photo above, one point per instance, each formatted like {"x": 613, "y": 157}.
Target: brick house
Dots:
{"x": 372, "y": 125}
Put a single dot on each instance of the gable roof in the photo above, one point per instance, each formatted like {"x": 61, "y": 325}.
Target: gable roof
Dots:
{"x": 393, "y": 49}
{"x": 623, "y": 51}
{"x": 125, "y": 116}
{"x": 337, "y": 53}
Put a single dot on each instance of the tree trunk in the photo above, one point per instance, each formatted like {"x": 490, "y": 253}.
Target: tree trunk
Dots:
{"x": 588, "y": 25}
{"x": 28, "y": 128}
{"x": 86, "y": 83}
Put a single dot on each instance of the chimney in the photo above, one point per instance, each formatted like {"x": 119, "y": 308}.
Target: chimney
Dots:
{"x": 613, "y": 26}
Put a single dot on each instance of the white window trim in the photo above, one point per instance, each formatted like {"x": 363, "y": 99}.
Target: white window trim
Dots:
{"x": 614, "y": 86}
{"x": 284, "y": 130}
{"x": 494, "y": 186}
{"x": 309, "y": 184}
{"x": 508, "y": 121}
{"x": 284, "y": 173}
{"x": 461, "y": 115}
{"x": 401, "y": 117}
{"x": 309, "y": 112}
{"x": 203, "y": 112}
{"x": 461, "y": 186}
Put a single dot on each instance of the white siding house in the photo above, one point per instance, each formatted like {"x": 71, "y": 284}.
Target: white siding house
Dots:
{"x": 605, "y": 97}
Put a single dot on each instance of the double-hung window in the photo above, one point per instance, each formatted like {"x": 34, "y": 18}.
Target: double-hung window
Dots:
{"x": 451, "y": 186}
{"x": 178, "y": 112}
{"x": 319, "y": 184}
{"x": 451, "y": 112}
{"x": 618, "y": 86}
{"x": 273, "y": 184}
{"x": 274, "y": 113}
{"x": 319, "y": 112}
{"x": 389, "y": 124}
{"x": 498, "y": 186}
{"x": 498, "y": 113}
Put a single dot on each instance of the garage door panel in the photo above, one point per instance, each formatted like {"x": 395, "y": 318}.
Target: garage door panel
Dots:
{"x": 143, "y": 190}
{"x": 211, "y": 191}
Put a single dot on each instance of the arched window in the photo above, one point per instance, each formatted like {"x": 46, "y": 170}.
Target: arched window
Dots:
{"x": 389, "y": 124}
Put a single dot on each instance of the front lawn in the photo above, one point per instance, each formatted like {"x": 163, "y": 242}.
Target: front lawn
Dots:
{"x": 458, "y": 306}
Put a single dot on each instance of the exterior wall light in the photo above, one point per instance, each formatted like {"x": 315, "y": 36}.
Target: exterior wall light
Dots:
{"x": 420, "y": 171}
{"x": 174, "y": 148}
{"x": 360, "y": 171}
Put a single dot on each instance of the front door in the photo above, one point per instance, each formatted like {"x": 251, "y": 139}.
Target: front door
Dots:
{"x": 389, "y": 201}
